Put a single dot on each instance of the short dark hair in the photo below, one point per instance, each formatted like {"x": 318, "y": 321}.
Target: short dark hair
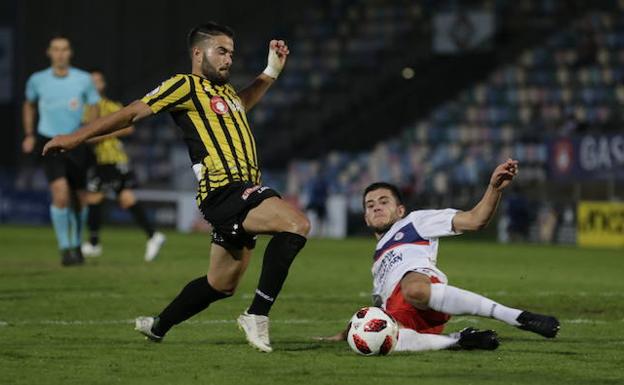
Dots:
{"x": 59, "y": 36}
{"x": 206, "y": 31}
{"x": 388, "y": 186}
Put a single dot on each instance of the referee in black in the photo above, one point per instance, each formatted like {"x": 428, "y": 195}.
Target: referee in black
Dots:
{"x": 212, "y": 117}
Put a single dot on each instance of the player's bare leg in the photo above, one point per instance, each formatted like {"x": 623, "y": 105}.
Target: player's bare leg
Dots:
{"x": 155, "y": 239}
{"x": 59, "y": 188}
{"x": 418, "y": 290}
{"x": 227, "y": 268}
{"x": 290, "y": 228}
{"x": 224, "y": 274}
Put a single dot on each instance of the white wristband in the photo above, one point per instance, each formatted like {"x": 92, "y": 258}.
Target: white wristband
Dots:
{"x": 271, "y": 72}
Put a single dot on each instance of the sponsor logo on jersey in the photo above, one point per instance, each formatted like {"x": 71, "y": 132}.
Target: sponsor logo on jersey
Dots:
{"x": 235, "y": 105}
{"x": 218, "y": 105}
{"x": 383, "y": 267}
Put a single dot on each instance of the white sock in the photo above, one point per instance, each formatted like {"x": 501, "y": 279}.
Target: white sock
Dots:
{"x": 412, "y": 341}
{"x": 452, "y": 300}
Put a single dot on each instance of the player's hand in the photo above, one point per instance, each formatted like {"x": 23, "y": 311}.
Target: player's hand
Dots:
{"x": 28, "y": 144}
{"x": 60, "y": 143}
{"x": 278, "y": 52}
{"x": 503, "y": 174}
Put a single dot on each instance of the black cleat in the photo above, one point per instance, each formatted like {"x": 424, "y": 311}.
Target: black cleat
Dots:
{"x": 67, "y": 257}
{"x": 471, "y": 338}
{"x": 544, "y": 325}
{"x": 78, "y": 255}
{"x": 71, "y": 257}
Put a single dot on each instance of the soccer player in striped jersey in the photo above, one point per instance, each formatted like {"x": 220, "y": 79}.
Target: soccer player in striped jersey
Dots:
{"x": 111, "y": 174}
{"x": 408, "y": 284}
{"x": 213, "y": 118}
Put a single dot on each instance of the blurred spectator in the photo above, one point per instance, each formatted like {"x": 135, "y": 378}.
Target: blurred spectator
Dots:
{"x": 317, "y": 204}
{"x": 519, "y": 216}
{"x": 546, "y": 223}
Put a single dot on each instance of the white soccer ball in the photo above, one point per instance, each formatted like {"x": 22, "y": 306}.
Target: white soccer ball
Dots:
{"x": 372, "y": 332}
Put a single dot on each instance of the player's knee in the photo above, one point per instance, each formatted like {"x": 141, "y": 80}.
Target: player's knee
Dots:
{"x": 60, "y": 201}
{"x": 299, "y": 225}
{"x": 126, "y": 203}
{"x": 126, "y": 199}
{"x": 416, "y": 293}
{"x": 95, "y": 199}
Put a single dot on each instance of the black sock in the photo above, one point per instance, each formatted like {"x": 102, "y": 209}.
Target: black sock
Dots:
{"x": 94, "y": 221}
{"x": 141, "y": 219}
{"x": 278, "y": 257}
{"x": 195, "y": 297}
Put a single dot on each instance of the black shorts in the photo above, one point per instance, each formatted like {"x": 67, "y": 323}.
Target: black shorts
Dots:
{"x": 72, "y": 165}
{"x": 227, "y": 207}
{"x": 110, "y": 178}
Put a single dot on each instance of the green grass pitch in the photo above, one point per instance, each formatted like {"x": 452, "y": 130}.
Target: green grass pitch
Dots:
{"x": 74, "y": 325}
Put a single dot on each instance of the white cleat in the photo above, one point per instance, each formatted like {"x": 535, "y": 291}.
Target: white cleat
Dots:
{"x": 91, "y": 251}
{"x": 153, "y": 246}
{"x": 144, "y": 326}
{"x": 256, "y": 328}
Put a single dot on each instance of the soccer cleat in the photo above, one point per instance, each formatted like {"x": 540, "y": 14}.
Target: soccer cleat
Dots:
{"x": 78, "y": 255}
{"x": 144, "y": 326}
{"x": 90, "y": 250}
{"x": 544, "y": 325}
{"x": 153, "y": 246}
{"x": 256, "y": 328}
{"x": 69, "y": 257}
{"x": 471, "y": 338}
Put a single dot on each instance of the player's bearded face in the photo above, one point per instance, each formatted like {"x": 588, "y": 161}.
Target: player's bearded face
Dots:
{"x": 217, "y": 60}
{"x": 381, "y": 210}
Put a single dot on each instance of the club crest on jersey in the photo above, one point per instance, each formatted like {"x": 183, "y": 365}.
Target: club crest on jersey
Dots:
{"x": 74, "y": 104}
{"x": 218, "y": 105}
{"x": 399, "y": 236}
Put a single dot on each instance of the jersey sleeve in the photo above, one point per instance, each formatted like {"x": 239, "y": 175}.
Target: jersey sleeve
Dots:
{"x": 31, "y": 89}
{"x": 115, "y": 106}
{"x": 169, "y": 95}
{"x": 434, "y": 223}
{"x": 91, "y": 96}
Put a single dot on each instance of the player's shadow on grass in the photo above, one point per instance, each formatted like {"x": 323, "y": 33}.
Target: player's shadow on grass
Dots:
{"x": 285, "y": 346}
{"x": 297, "y": 346}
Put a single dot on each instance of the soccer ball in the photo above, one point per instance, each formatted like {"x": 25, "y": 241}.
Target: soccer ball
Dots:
{"x": 372, "y": 332}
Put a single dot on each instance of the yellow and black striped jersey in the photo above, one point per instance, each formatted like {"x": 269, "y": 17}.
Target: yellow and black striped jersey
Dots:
{"x": 214, "y": 126}
{"x": 109, "y": 151}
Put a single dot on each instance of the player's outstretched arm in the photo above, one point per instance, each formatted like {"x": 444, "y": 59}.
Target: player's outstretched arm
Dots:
{"x": 341, "y": 336}
{"x": 117, "y": 134}
{"x": 480, "y": 215}
{"x": 108, "y": 124}
{"x": 251, "y": 95}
